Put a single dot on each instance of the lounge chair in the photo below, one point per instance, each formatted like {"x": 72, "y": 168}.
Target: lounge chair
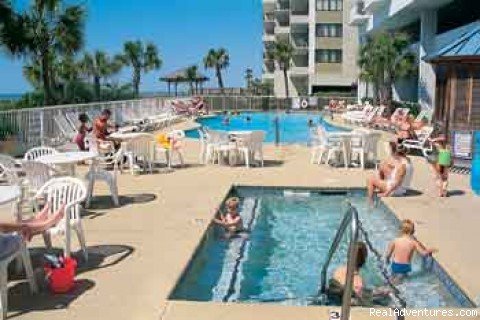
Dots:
{"x": 392, "y": 122}
{"x": 355, "y": 116}
{"x": 422, "y": 142}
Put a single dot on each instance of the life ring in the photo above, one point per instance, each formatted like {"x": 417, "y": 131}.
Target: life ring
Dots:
{"x": 304, "y": 104}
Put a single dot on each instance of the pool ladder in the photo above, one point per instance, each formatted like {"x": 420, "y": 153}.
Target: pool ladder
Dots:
{"x": 351, "y": 219}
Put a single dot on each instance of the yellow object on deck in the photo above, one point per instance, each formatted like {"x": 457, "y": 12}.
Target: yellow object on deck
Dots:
{"x": 163, "y": 140}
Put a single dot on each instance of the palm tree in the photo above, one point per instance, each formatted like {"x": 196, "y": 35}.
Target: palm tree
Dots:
{"x": 99, "y": 65}
{"x": 384, "y": 58}
{"x": 33, "y": 73}
{"x": 218, "y": 60}
{"x": 282, "y": 52}
{"x": 12, "y": 33}
{"x": 248, "y": 78}
{"x": 48, "y": 28}
{"x": 142, "y": 58}
{"x": 191, "y": 75}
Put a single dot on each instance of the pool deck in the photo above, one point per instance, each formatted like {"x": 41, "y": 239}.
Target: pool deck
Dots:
{"x": 138, "y": 250}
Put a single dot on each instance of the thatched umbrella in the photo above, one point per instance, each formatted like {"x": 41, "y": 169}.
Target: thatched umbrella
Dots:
{"x": 180, "y": 76}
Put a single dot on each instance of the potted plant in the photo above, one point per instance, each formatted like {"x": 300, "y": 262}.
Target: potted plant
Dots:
{"x": 7, "y": 136}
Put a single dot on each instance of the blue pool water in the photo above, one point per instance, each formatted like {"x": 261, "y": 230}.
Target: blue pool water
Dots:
{"x": 281, "y": 259}
{"x": 294, "y": 127}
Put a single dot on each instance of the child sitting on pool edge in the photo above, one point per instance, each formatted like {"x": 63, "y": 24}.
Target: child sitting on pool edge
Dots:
{"x": 231, "y": 221}
{"x": 401, "y": 251}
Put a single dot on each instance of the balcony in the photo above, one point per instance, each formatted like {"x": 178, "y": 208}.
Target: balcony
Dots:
{"x": 300, "y": 41}
{"x": 282, "y": 30}
{"x": 358, "y": 15}
{"x": 268, "y": 38}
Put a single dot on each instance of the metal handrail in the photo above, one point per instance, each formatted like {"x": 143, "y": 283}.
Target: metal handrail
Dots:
{"x": 356, "y": 229}
{"x": 350, "y": 219}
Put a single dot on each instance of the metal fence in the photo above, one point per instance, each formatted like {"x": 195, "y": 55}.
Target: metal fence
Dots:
{"x": 37, "y": 126}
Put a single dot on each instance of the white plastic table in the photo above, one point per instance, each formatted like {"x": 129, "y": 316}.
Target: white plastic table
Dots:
{"x": 68, "y": 159}
{"x": 345, "y": 138}
{"x": 9, "y": 194}
{"x": 125, "y": 136}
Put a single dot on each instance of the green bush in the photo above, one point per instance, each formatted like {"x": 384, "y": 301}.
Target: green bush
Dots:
{"x": 413, "y": 107}
{"x": 365, "y": 99}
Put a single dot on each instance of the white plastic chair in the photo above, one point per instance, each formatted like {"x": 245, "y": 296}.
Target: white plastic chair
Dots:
{"x": 256, "y": 145}
{"x": 215, "y": 141}
{"x": 203, "y": 146}
{"x": 20, "y": 251}
{"x": 35, "y": 153}
{"x": 9, "y": 169}
{"x": 37, "y": 174}
{"x": 70, "y": 192}
{"x": 359, "y": 147}
{"x": 337, "y": 146}
{"x": 319, "y": 145}
{"x": 177, "y": 137}
{"x": 140, "y": 149}
{"x": 99, "y": 172}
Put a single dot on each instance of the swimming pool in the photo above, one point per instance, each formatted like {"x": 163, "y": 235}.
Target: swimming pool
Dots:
{"x": 293, "y": 127}
{"x": 290, "y": 235}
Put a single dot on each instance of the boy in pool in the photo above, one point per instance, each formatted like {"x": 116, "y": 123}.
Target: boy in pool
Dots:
{"x": 231, "y": 221}
{"x": 401, "y": 251}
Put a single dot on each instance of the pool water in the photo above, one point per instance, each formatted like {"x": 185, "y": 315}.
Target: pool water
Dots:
{"x": 293, "y": 127}
{"x": 281, "y": 259}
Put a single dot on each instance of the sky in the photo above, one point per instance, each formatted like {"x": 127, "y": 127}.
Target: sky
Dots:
{"x": 183, "y": 30}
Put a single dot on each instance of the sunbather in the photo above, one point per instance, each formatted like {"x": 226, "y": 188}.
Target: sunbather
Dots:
{"x": 395, "y": 178}
{"x": 407, "y": 127}
{"x": 398, "y": 116}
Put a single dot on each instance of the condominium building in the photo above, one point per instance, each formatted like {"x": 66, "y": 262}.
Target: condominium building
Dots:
{"x": 431, "y": 25}
{"x": 445, "y": 37}
{"x": 326, "y": 46}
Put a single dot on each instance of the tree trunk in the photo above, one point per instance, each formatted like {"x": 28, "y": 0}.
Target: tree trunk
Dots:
{"x": 136, "y": 82}
{"x": 96, "y": 81}
{"x": 48, "y": 98}
{"x": 219, "y": 78}
{"x": 192, "y": 89}
{"x": 285, "y": 76}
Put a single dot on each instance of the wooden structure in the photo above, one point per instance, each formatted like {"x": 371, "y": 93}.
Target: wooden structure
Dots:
{"x": 180, "y": 77}
{"x": 458, "y": 83}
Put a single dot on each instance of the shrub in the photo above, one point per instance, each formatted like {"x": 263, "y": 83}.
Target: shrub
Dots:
{"x": 413, "y": 107}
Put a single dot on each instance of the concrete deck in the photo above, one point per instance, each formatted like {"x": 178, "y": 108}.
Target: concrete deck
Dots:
{"x": 139, "y": 250}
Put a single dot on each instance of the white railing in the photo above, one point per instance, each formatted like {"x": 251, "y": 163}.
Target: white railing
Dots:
{"x": 37, "y": 126}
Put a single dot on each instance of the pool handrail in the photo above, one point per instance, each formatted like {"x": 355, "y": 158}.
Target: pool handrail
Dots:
{"x": 350, "y": 219}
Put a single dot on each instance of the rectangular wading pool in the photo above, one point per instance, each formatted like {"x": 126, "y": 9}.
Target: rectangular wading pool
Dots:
{"x": 279, "y": 261}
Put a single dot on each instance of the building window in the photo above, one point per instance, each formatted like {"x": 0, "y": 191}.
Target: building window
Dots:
{"x": 329, "y": 5}
{"x": 330, "y": 30}
{"x": 328, "y": 56}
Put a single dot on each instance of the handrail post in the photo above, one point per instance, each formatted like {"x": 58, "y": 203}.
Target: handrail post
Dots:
{"x": 351, "y": 265}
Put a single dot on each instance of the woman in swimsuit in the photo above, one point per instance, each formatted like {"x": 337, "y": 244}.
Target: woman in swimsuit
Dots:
{"x": 360, "y": 295}
{"x": 395, "y": 180}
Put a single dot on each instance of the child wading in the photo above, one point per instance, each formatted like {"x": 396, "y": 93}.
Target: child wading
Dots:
{"x": 401, "y": 251}
{"x": 231, "y": 221}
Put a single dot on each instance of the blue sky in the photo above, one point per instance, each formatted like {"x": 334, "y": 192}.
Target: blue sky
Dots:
{"x": 183, "y": 30}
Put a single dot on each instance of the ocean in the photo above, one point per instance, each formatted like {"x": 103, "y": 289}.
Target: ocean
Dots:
{"x": 9, "y": 97}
